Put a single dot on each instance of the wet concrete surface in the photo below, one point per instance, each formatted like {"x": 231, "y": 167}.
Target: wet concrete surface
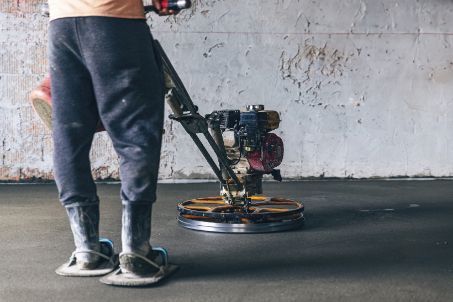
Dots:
{"x": 363, "y": 241}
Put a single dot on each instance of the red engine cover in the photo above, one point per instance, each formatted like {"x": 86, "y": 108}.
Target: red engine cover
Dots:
{"x": 269, "y": 157}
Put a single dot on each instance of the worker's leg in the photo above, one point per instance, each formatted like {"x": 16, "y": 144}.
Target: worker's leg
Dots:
{"x": 74, "y": 120}
{"x": 128, "y": 85}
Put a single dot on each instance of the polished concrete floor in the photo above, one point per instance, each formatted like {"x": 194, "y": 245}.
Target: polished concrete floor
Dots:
{"x": 363, "y": 241}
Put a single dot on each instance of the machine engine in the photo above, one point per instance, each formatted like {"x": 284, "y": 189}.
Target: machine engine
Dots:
{"x": 250, "y": 146}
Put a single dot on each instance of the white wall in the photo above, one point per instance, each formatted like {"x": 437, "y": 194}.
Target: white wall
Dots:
{"x": 365, "y": 88}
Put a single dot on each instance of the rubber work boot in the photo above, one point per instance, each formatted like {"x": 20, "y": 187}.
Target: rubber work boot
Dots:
{"x": 84, "y": 222}
{"x": 135, "y": 236}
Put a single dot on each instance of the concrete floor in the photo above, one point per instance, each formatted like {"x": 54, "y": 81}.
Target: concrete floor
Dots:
{"x": 363, "y": 240}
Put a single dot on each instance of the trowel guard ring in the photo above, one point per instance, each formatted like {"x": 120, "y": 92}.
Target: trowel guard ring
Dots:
{"x": 262, "y": 214}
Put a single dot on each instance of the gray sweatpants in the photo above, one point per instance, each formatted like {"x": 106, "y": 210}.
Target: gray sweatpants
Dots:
{"x": 105, "y": 68}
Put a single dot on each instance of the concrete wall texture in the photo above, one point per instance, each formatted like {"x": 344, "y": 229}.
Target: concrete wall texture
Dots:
{"x": 364, "y": 88}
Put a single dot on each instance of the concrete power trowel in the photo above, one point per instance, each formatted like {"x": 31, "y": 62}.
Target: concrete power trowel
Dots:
{"x": 245, "y": 149}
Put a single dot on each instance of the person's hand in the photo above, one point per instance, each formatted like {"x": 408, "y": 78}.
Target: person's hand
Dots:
{"x": 163, "y": 11}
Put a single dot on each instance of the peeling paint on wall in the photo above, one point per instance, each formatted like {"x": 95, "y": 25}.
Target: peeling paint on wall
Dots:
{"x": 312, "y": 68}
{"x": 364, "y": 88}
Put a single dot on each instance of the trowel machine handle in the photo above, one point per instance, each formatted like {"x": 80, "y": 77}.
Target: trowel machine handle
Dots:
{"x": 174, "y": 5}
